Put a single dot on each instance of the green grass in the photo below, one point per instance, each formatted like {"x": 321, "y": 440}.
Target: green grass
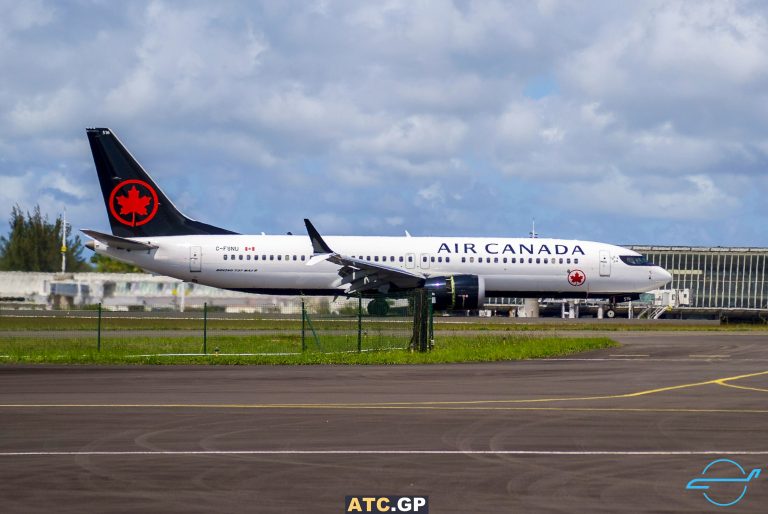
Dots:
{"x": 612, "y": 326}
{"x": 139, "y": 323}
{"x": 340, "y": 350}
{"x": 9, "y": 323}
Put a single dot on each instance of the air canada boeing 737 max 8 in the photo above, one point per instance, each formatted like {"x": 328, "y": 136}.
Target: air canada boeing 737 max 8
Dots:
{"x": 150, "y": 232}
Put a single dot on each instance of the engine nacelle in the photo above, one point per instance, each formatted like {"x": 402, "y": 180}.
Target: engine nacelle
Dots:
{"x": 456, "y": 292}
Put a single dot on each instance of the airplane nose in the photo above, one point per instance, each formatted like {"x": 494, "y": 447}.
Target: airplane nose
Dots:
{"x": 663, "y": 275}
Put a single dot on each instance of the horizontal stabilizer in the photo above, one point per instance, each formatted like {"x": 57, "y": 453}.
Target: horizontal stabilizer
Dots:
{"x": 118, "y": 242}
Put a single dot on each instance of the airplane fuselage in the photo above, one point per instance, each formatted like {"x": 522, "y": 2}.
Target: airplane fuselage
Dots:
{"x": 509, "y": 267}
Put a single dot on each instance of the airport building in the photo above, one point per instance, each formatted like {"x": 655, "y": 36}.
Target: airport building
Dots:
{"x": 716, "y": 278}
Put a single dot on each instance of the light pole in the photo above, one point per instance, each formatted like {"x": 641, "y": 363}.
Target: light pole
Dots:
{"x": 64, "y": 226}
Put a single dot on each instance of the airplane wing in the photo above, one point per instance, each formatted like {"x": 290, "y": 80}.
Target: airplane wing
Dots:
{"x": 361, "y": 275}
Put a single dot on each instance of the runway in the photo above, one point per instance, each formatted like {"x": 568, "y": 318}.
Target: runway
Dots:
{"x": 622, "y": 429}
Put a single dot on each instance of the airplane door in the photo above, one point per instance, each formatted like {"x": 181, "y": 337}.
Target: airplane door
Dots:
{"x": 410, "y": 259}
{"x": 605, "y": 263}
{"x": 195, "y": 258}
{"x": 424, "y": 261}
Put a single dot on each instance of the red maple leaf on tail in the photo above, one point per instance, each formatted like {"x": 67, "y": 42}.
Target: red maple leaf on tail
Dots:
{"x": 134, "y": 204}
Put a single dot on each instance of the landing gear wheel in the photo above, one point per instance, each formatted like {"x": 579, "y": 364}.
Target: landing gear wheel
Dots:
{"x": 610, "y": 313}
{"x": 378, "y": 307}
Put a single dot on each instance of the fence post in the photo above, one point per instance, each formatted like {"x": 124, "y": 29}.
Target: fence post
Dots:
{"x": 98, "y": 331}
{"x": 421, "y": 320}
{"x": 431, "y": 320}
{"x": 303, "y": 326}
{"x": 205, "y": 328}
{"x": 359, "y": 323}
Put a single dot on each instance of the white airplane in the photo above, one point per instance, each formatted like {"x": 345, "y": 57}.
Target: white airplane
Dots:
{"x": 148, "y": 231}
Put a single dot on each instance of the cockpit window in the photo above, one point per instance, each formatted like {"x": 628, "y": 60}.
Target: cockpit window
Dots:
{"x": 636, "y": 260}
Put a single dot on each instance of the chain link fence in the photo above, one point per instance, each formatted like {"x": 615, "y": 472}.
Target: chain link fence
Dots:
{"x": 290, "y": 325}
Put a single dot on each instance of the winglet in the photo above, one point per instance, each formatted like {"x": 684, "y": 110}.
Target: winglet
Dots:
{"x": 318, "y": 245}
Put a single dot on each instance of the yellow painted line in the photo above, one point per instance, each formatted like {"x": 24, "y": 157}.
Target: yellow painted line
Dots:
{"x": 745, "y": 387}
{"x": 384, "y": 405}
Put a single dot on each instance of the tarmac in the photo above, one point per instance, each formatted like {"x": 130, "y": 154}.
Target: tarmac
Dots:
{"x": 617, "y": 430}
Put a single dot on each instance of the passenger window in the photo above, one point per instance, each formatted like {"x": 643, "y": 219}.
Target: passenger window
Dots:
{"x": 368, "y": 258}
{"x": 263, "y": 257}
{"x": 447, "y": 259}
{"x": 376, "y": 258}
{"x": 530, "y": 260}
{"x": 496, "y": 259}
{"x": 294, "y": 257}
{"x": 546, "y": 261}
{"x": 471, "y": 259}
{"x": 302, "y": 257}
{"x": 410, "y": 259}
{"x": 255, "y": 257}
{"x": 241, "y": 256}
{"x": 561, "y": 260}
{"x": 463, "y": 259}
{"x": 505, "y": 260}
{"x": 538, "y": 260}
{"x": 439, "y": 259}
{"x": 569, "y": 260}
{"x": 271, "y": 257}
{"x": 400, "y": 258}
{"x": 488, "y": 260}
{"x": 512, "y": 260}
{"x": 232, "y": 256}
{"x": 424, "y": 259}
{"x": 225, "y": 257}
{"x": 576, "y": 260}
{"x": 391, "y": 258}
{"x": 248, "y": 257}
{"x": 287, "y": 257}
{"x": 279, "y": 257}
{"x": 432, "y": 259}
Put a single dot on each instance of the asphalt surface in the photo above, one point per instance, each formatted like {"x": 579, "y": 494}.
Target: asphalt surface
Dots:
{"x": 619, "y": 430}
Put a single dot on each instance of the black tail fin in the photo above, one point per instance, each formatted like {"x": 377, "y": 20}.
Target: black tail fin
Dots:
{"x": 136, "y": 207}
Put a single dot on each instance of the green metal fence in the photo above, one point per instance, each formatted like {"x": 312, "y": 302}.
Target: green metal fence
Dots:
{"x": 288, "y": 326}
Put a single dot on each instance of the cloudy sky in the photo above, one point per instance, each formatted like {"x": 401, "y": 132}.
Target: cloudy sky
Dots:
{"x": 624, "y": 122}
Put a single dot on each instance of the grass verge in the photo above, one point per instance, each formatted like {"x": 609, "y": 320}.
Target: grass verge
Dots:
{"x": 26, "y": 323}
{"x": 287, "y": 350}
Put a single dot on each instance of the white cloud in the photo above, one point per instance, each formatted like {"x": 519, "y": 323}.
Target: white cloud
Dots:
{"x": 27, "y": 15}
{"x": 45, "y": 113}
{"x": 413, "y": 113}
{"x": 519, "y": 124}
{"x": 591, "y": 113}
{"x": 693, "y": 197}
{"x": 415, "y": 136}
{"x": 674, "y": 48}
{"x": 433, "y": 194}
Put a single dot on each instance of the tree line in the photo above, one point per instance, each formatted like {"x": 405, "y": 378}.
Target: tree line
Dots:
{"x": 34, "y": 244}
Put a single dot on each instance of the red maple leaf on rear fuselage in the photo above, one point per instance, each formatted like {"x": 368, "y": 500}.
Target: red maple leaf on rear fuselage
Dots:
{"x": 134, "y": 204}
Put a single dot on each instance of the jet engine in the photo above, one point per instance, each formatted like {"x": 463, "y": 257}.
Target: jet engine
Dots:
{"x": 456, "y": 292}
